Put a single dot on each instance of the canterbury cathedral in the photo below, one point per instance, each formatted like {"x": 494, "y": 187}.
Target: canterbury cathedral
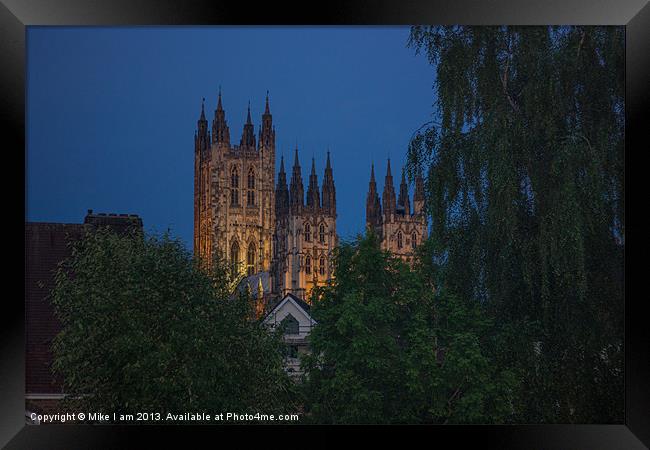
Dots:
{"x": 400, "y": 230}
{"x": 268, "y": 231}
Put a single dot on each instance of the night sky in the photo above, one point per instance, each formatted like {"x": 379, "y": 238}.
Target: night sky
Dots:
{"x": 111, "y": 112}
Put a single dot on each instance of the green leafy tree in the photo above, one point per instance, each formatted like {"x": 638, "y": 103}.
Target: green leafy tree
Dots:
{"x": 145, "y": 330}
{"x": 524, "y": 179}
{"x": 387, "y": 349}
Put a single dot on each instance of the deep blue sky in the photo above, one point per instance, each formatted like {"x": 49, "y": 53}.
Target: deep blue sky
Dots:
{"x": 111, "y": 112}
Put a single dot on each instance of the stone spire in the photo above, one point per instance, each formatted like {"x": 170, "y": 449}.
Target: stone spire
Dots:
{"x": 267, "y": 132}
{"x": 281, "y": 191}
{"x": 296, "y": 191}
{"x": 313, "y": 195}
{"x": 220, "y": 131}
{"x": 201, "y": 137}
{"x": 404, "y": 196}
{"x": 388, "y": 197}
{"x": 329, "y": 191}
{"x": 248, "y": 135}
{"x": 373, "y": 207}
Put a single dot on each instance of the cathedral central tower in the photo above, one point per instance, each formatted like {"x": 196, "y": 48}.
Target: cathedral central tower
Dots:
{"x": 234, "y": 195}
{"x": 242, "y": 217}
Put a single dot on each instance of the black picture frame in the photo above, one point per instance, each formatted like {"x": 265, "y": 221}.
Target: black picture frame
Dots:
{"x": 16, "y": 15}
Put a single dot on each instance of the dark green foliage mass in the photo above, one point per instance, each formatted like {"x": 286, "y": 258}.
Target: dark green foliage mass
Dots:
{"x": 388, "y": 349}
{"x": 524, "y": 168}
{"x": 144, "y": 330}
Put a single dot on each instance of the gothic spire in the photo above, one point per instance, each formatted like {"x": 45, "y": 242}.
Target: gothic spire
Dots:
{"x": 281, "y": 191}
{"x": 404, "y": 196}
{"x": 267, "y": 131}
{"x": 373, "y": 207}
{"x": 329, "y": 191}
{"x": 313, "y": 197}
{"x": 201, "y": 137}
{"x": 388, "y": 199}
{"x": 220, "y": 131}
{"x": 267, "y": 110}
{"x": 296, "y": 190}
{"x": 248, "y": 135}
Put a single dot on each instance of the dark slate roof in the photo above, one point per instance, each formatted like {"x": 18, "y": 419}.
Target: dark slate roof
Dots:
{"x": 253, "y": 280}
{"x": 46, "y": 245}
{"x": 304, "y": 305}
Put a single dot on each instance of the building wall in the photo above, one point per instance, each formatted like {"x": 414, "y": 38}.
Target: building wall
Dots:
{"x": 46, "y": 245}
{"x": 303, "y": 249}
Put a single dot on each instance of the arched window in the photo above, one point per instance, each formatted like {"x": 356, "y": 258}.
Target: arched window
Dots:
{"x": 308, "y": 265}
{"x": 250, "y": 259}
{"x": 234, "y": 255}
{"x": 234, "y": 187}
{"x": 322, "y": 266}
{"x": 321, "y": 233}
{"x": 250, "y": 195}
{"x": 290, "y": 325}
{"x": 307, "y": 233}
{"x": 414, "y": 239}
{"x": 399, "y": 239}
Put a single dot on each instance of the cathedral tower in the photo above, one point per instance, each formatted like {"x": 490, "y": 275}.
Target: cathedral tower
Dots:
{"x": 305, "y": 232}
{"x": 244, "y": 217}
{"x": 234, "y": 195}
{"x": 399, "y": 230}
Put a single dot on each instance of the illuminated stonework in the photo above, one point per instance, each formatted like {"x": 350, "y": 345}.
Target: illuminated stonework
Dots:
{"x": 242, "y": 217}
{"x": 399, "y": 230}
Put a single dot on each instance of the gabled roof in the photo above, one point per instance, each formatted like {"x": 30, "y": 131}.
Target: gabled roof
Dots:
{"x": 304, "y": 306}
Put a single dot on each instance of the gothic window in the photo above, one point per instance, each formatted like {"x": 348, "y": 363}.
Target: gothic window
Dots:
{"x": 307, "y": 233}
{"x": 308, "y": 265}
{"x": 414, "y": 238}
{"x": 322, "y": 266}
{"x": 250, "y": 259}
{"x": 234, "y": 255}
{"x": 321, "y": 233}
{"x": 234, "y": 187}
{"x": 250, "y": 195}
{"x": 399, "y": 239}
{"x": 290, "y": 325}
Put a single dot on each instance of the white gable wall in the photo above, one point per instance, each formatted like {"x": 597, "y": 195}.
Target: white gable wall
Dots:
{"x": 286, "y": 307}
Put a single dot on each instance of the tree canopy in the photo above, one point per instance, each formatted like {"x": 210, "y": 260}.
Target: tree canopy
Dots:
{"x": 388, "y": 349}
{"x": 145, "y": 330}
{"x": 524, "y": 169}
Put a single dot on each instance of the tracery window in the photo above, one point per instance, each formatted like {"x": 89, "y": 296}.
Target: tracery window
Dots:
{"x": 321, "y": 233}
{"x": 322, "y": 266}
{"x": 234, "y": 187}
{"x": 400, "y": 242}
{"x": 307, "y": 232}
{"x": 250, "y": 195}
{"x": 234, "y": 255}
{"x": 414, "y": 239}
{"x": 308, "y": 265}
